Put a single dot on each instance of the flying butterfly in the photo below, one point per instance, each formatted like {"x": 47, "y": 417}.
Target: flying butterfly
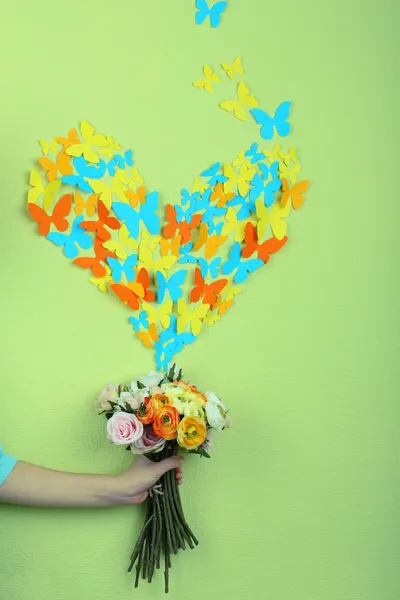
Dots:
{"x": 61, "y": 165}
{"x": 279, "y": 121}
{"x": 207, "y": 292}
{"x": 210, "y": 78}
{"x": 212, "y": 12}
{"x": 264, "y": 250}
{"x": 37, "y": 189}
{"x": 70, "y": 242}
{"x": 237, "y": 107}
{"x": 192, "y": 317}
{"x": 57, "y": 218}
{"x": 94, "y": 263}
{"x": 90, "y": 138}
{"x": 295, "y": 194}
{"x": 241, "y": 268}
{"x": 235, "y": 68}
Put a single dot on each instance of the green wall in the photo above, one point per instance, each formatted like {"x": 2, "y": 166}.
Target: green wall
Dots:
{"x": 299, "y": 500}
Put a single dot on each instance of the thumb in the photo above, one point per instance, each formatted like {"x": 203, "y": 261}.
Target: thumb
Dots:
{"x": 173, "y": 462}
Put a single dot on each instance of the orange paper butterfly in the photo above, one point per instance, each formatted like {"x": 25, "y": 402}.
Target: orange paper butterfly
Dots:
{"x": 89, "y": 204}
{"x": 138, "y": 197}
{"x": 70, "y": 140}
{"x": 295, "y": 193}
{"x": 207, "y": 291}
{"x": 62, "y": 164}
{"x": 57, "y": 218}
{"x": 134, "y": 293}
{"x": 149, "y": 336}
{"x": 170, "y": 246}
{"x": 184, "y": 228}
{"x": 94, "y": 262}
{"x": 103, "y": 221}
{"x": 211, "y": 243}
{"x": 219, "y": 194}
{"x": 263, "y": 250}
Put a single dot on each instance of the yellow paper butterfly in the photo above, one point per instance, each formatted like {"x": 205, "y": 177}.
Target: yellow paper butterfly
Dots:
{"x": 211, "y": 318}
{"x": 238, "y": 106}
{"x": 290, "y": 156}
{"x": 90, "y": 139}
{"x": 111, "y": 147}
{"x": 210, "y": 78}
{"x": 199, "y": 187}
{"x": 37, "y": 189}
{"x": 273, "y": 218}
{"x": 194, "y": 318}
{"x": 289, "y": 172}
{"x": 124, "y": 240}
{"x": 233, "y": 224}
{"x": 106, "y": 192}
{"x": 49, "y": 147}
{"x": 101, "y": 282}
{"x": 240, "y": 180}
{"x": 159, "y": 312}
{"x": 151, "y": 241}
{"x": 163, "y": 264}
{"x": 230, "y": 292}
{"x": 134, "y": 179}
{"x": 88, "y": 205}
{"x": 274, "y": 155}
{"x": 236, "y": 67}
{"x": 170, "y": 246}
{"x": 242, "y": 161}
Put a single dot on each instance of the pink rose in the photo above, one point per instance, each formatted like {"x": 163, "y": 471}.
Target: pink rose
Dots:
{"x": 124, "y": 428}
{"x": 134, "y": 401}
{"x": 149, "y": 442}
{"x": 108, "y": 394}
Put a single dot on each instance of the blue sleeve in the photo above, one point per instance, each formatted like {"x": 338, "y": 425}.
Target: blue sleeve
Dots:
{"x": 7, "y": 463}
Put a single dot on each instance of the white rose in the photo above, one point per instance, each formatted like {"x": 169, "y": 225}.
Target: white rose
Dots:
{"x": 191, "y": 409}
{"x": 152, "y": 379}
{"x": 134, "y": 401}
{"x": 215, "y": 411}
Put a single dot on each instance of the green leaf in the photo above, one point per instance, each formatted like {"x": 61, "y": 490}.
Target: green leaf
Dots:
{"x": 109, "y": 415}
{"x": 140, "y": 385}
{"x": 128, "y": 448}
{"x": 202, "y": 452}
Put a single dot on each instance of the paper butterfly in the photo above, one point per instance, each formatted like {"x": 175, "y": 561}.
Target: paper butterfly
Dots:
{"x": 171, "y": 285}
{"x": 264, "y": 250}
{"x": 71, "y": 242}
{"x": 207, "y": 292}
{"x": 126, "y": 268}
{"x": 237, "y": 107}
{"x": 141, "y": 321}
{"x": 236, "y": 67}
{"x": 295, "y": 194}
{"x": 191, "y": 316}
{"x": 210, "y": 78}
{"x": 273, "y": 218}
{"x": 97, "y": 263}
{"x": 214, "y": 12}
{"x": 146, "y": 213}
{"x": 279, "y": 121}
{"x": 242, "y": 268}
{"x": 58, "y": 217}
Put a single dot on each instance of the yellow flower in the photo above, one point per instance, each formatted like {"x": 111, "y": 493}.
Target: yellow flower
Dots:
{"x": 191, "y": 433}
{"x": 192, "y": 409}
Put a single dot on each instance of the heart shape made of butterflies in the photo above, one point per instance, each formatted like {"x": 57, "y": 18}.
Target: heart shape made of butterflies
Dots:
{"x": 91, "y": 201}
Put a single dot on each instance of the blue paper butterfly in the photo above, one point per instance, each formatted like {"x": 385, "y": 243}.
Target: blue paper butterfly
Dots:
{"x": 127, "y": 267}
{"x": 71, "y": 241}
{"x": 112, "y": 167}
{"x": 279, "y": 121}
{"x": 171, "y": 285}
{"x": 214, "y": 12}
{"x": 215, "y": 228}
{"x": 188, "y": 198}
{"x": 171, "y": 343}
{"x": 183, "y": 215}
{"x": 210, "y": 267}
{"x": 141, "y": 321}
{"x": 241, "y": 267}
{"x": 124, "y": 160}
{"x": 186, "y": 257}
{"x": 253, "y": 153}
{"x": 90, "y": 171}
{"x": 268, "y": 190}
{"x": 147, "y": 213}
{"x": 272, "y": 170}
{"x": 247, "y": 206}
{"x": 213, "y": 174}
{"x": 211, "y": 212}
{"x": 203, "y": 201}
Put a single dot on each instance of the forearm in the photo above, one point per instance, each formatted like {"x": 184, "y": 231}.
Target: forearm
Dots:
{"x": 35, "y": 486}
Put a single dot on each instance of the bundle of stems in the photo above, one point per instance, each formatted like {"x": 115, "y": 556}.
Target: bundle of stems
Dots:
{"x": 165, "y": 529}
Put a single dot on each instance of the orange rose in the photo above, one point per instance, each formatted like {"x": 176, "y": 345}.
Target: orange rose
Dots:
{"x": 160, "y": 400}
{"x": 166, "y": 422}
{"x": 191, "y": 433}
{"x": 146, "y": 412}
{"x": 193, "y": 389}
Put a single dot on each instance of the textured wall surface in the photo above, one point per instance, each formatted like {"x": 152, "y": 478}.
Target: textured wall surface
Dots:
{"x": 298, "y": 502}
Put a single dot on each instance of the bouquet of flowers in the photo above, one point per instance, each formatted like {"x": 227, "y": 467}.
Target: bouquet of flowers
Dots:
{"x": 158, "y": 415}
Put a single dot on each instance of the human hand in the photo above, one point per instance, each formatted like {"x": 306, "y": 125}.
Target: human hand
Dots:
{"x": 133, "y": 485}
